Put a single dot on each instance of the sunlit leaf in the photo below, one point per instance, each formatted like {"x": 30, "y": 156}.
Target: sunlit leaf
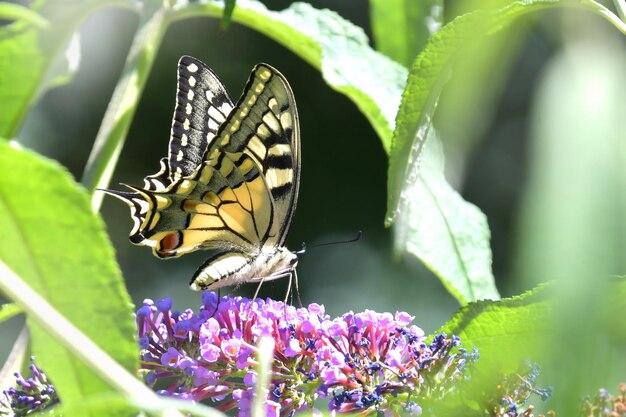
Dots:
{"x": 52, "y": 240}
{"x": 504, "y": 332}
{"x": 448, "y": 234}
{"x": 408, "y": 163}
{"x": 431, "y": 70}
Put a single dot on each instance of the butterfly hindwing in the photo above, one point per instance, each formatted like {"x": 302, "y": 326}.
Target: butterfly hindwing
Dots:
{"x": 202, "y": 105}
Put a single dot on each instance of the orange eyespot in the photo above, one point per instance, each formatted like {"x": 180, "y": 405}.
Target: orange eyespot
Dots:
{"x": 171, "y": 242}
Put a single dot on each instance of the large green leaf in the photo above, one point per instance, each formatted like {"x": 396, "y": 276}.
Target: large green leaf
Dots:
{"x": 51, "y": 239}
{"x": 402, "y": 27}
{"x": 505, "y": 332}
{"x": 448, "y": 234}
{"x": 457, "y": 250}
{"x": 330, "y": 43}
{"x": 431, "y": 70}
{"x": 28, "y": 53}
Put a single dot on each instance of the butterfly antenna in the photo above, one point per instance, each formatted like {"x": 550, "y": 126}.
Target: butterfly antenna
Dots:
{"x": 304, "y": 245}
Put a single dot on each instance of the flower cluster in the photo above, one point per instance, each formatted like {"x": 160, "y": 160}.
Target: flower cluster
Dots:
{"x": 32, "y": 394}
{"x": 604, "y": 404}
{"x": 513, "y": 393}
{"x": 365, "y": 362}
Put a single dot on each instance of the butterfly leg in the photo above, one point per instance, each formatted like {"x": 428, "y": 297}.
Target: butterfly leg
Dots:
{"x": 256, "y": 293}
{"x": 295, "y": 273}
{"x": 288, "y": 289}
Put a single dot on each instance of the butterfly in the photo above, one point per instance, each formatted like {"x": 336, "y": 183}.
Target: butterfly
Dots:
{"x": 230, "y": 181}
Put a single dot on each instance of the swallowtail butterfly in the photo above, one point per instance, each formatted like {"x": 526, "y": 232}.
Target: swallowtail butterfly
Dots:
{"x": 230, "y": 180}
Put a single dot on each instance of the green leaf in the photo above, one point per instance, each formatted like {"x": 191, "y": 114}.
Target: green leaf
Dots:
{"x": 17, "y": 12}
{"x": 53, "y": 241}
{"x": 432, "y": 68}
{"x": 402, "y": 27}
{"x": 28, "y": 52}
{"x": 331, "y": 44}
{"x": 505, "y": 332}
{"x": 448, "y": 234}
{"x": 458, "y": 250}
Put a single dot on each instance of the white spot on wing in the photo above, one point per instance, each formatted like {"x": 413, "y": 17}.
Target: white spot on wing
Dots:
{"x": 280, "y": 149}
{"x": 215, "y": 114}
{"x": 225, "y": 108}
{"x": 276, "y": 177}
{"x": 273, "y": 105}
{"x": 270, "y": 120}
{"x": 213, "y": 125}
{"x": 285, "y": 120}
{"x": 143, "y": 205}
{"x": 192, "y": 67}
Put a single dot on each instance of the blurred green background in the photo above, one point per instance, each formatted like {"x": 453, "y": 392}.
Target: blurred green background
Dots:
{"x": 344, "y": 167}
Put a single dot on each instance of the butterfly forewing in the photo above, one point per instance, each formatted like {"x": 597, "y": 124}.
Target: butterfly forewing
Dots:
{"x": 264, "y": 126}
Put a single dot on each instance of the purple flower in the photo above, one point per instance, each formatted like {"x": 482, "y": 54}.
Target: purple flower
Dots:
{"x": 272, "y": 409}
{"x": 250, "y": 379}
{"x": 366, "y": 363}
{"x": 210, "y": 353}
{"x": 231, "y": 347}
{"x": 164, "y": 305}
{"x": 30, "y": 395}
{"x": 171, "y": 358}
{"x": 293, "y": 348}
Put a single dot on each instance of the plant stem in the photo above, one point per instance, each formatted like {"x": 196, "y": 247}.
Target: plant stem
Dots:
{"x": 265, "y": 355}
{"x": 72, "y": 338}
{"x": 125, "y": 383}
{"x": 119, "y": 114}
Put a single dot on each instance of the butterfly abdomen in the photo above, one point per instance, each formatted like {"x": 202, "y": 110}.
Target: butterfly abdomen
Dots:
{"x": 232, "y": 268}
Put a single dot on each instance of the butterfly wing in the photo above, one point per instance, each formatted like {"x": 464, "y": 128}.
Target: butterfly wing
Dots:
{"x": 264, "y": 126}
{"x": 240, "y": 195}
{"x": 202, "y": 105}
